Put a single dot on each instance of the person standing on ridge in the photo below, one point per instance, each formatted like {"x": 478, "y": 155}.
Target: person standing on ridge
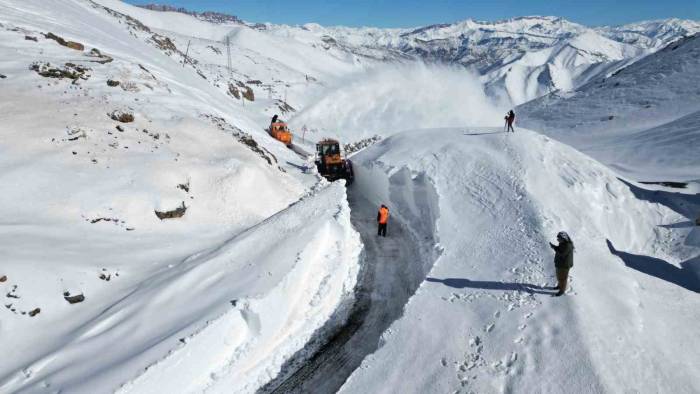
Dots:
{"x": 510, "y": 118}
{"x": 382, "y": 220}
{"x": 563, "y": 260}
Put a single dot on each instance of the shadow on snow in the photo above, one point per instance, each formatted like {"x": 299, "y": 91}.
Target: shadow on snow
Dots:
{"x": 687, "y": 276}
{"x": 460, "y": 283}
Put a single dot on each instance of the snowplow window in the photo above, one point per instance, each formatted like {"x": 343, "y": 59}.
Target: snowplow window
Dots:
{"x": 328, "y": 149}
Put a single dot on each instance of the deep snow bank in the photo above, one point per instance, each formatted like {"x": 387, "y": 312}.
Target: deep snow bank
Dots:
{"x": 483, "y": 320}
{"x": 222, "y": 319}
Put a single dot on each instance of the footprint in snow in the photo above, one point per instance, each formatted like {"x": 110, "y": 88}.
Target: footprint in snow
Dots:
{"x": 489, "y": 327}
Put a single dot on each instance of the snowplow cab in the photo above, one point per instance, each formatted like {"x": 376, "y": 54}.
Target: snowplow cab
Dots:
{"x": 330, "y": 163}
{"x": 280, "y": 132}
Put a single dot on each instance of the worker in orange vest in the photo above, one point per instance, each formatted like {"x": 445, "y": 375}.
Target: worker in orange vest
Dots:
{"x": 382, "y": 219}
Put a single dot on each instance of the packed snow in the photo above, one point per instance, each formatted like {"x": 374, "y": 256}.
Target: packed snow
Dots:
{"x": 157, "y": 239}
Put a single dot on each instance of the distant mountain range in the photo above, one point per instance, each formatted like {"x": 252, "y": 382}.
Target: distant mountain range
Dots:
{"x": 518, "y": 59}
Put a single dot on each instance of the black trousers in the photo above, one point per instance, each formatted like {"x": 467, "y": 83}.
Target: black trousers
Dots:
{"x": 382, "y": 229}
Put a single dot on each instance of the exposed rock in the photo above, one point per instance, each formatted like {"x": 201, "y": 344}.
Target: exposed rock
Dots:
{"x": 242, "y": 137}
{"x": 69, "y": 44}
{"x": 175, "y": 213}
{"x": 112, "y": 83}
{"x": 34, "y": 312}
{"x": 73, "y": 299}
{"x": 214, "y": 49}
{"x": 120, "y": 128}
{"x": 184, "y": 186}
{"x": 3, "y": 278}
{"x": 361, "y": 144}
{"x": 30, "y": 38}
{"x": 284, "y": 107}
{"x": 248, "y": 94}
{"x": 164, "y": 43}
{"x": 2, "y": 76}
{"x": 104, "y": 59}
{"x": 68, "y": 71}
{"x": 254, "y": 82}
{"x": 233, "y": 90}
{"x": 122, "y": 116}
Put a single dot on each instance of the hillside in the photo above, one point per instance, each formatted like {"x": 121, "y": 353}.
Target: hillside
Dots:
{"x": 639, "y": 119}
{"x": 155, "y": 238}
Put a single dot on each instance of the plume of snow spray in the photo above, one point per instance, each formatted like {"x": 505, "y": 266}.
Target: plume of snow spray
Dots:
{"x": 393, "y": 98}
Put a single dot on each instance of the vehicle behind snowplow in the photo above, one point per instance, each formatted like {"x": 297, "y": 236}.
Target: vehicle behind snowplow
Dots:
{"x": 280, "y": 132}
{"x": 330, "y": 163}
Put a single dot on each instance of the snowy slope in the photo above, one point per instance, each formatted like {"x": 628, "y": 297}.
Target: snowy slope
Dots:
{"x": 484, "y": 321}
{"x": 638, "y": 119}
{"x": 262, "y": 258}
{"x": 250, "y": 284}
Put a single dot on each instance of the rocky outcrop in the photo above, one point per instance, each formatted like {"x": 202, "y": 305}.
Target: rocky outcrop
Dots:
{"x": 68, "y": 44}
{"x": 68, "y": 71}
{"x": 122, "y": 116}
{"x": 173, "y": 214}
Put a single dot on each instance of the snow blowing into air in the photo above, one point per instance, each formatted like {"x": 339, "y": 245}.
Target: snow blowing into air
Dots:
{"x": 391, "y": 98}
{"x": 197, "y": 203}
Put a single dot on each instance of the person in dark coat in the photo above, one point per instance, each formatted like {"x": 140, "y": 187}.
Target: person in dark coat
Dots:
{"x": 510, "y": 118}
{"x": 563, "y": 260}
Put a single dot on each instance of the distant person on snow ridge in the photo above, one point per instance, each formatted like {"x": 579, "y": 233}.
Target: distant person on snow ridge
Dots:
{"x": 563, "y": 260}
{"x": 510, "y": 118}
{"x": 382, "y": 220}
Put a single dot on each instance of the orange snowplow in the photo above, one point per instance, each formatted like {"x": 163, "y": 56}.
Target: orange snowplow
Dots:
{"x": 280, "y": 132}
{"x": 330, "y": 164}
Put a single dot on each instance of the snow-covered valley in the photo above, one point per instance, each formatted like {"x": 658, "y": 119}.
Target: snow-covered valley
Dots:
{"x": 157, "y": 239}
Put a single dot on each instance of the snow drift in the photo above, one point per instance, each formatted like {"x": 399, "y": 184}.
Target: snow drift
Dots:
{"x": 484, "y": 320}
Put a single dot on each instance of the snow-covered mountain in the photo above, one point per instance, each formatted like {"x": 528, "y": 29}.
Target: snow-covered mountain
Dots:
{"x": 635, "y": 118}
{"x": 520, "y": 59}
{"x": 156, "y": 239}
{"x": 651, "y": 34}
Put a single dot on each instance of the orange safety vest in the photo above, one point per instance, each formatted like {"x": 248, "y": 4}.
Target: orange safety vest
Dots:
{"x": 383, "y": 215}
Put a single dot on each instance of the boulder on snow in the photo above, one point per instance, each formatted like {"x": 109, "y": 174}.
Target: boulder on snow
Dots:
{"x": 233, "y": 91}
{"x": 34, "y": 312}
{"x": 175, "y": 213}
{"x": 68, "y": 44}
{"x": 3, "y": 278}
{"x": 248, "y": 94}
{"x": 73, "y": 299}
{"x": 122, "y": 116}
{"x": 30, "y": 38}
{"x": 112, "y": 83}
{"x": 2, "y": 76}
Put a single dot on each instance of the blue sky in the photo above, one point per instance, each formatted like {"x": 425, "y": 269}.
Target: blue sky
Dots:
{"x": 409, "y": 13}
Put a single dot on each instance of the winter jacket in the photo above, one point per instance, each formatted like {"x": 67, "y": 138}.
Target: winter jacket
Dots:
{"x": 383, "y": 215}
{"x": 564, "y": 254}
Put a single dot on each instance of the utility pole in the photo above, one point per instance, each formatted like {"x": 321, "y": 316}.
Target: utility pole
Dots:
{"x": 186, "y": 53}
{"x": 228, "y": 54}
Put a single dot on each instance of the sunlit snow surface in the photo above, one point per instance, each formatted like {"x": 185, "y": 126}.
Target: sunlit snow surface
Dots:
{"x": 267, "y": 255}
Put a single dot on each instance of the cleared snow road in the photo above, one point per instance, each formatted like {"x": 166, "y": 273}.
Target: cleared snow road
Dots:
{"x": 392, "y": 271}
